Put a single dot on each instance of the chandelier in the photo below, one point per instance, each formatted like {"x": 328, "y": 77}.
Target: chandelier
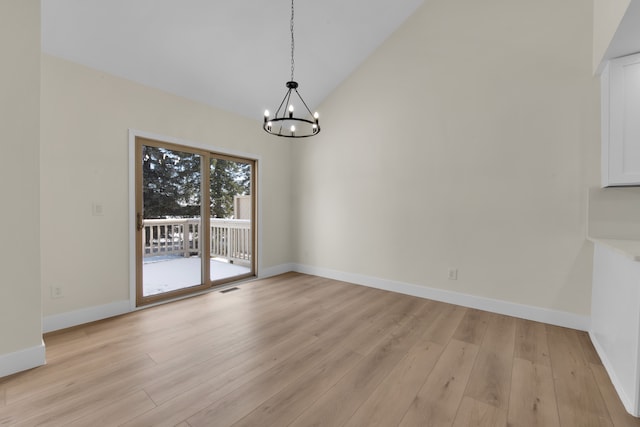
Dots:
{"x": 284, "y": 123}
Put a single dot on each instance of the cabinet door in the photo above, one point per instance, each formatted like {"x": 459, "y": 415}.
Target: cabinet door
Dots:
{"x": 621, "y": 123}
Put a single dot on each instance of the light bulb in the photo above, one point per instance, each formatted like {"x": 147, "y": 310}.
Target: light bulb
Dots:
{"x": 269, "y": 124}
{"x": 293, "y": 130}
{"x": 290, "y": 111}
{"x": 266, "y": 113}
{"x": 316, "y": 115}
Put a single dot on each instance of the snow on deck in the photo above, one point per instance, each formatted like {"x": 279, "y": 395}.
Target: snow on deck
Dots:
{"x": 167, "y": 273}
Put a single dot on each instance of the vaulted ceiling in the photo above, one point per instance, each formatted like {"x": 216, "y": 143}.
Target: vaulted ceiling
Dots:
{"x": 231, "y": 54}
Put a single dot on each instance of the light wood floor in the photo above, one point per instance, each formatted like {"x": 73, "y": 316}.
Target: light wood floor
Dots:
{"x": 298, "y": 350}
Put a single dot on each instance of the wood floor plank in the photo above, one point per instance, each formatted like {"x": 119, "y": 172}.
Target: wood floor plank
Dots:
{"x": 273, "y": 325}
{"x": 390, "y": 400}
{"x": 479, "y": 414}
{"x": 364, "y": 309}
{"x": 343, "y": 294}
{"x": 76, "y": 396}
{"x": 127, "y": 341}
{"x": 340, "y": 402}
{"x": 246, "y": 398}
{"x": 533, "y": 399}
{"x": 472, "y": 327}
{"x": 58, "y": 344}
{"x": 444, "y": 326}
{"x": 305, "y": 350}
{"x": 118, "y": 412}
{"x": 247, "y": 361}
{"x": 437, "y": 401}
{"x": 245, "y": 327}
{"x": 579, "y": 400}
{"x": 531, "y": 342}
{"x": 490, "y": 380}
{"x": 200, "y": 397}
{"x": 286, "y": 405}
{"x": 54, "y": 378}
{"x": 590, "y": 353}
{"x": 619, "y": 416}
{"x": 380, "y": 326}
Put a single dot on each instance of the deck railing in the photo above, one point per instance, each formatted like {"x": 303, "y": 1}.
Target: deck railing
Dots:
{"x": 230, "y": 238}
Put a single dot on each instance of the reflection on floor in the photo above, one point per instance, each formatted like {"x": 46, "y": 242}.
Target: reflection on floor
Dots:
{"x": 167, "y": 273}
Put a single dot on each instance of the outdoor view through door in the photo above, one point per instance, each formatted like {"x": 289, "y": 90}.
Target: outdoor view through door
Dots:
{"x": 185, "y": 245}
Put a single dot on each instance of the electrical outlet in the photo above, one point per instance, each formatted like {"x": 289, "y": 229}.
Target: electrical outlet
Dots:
{"x": 56, "y": 292}
{"x": 97, "y": 209}
{"x": 453, "y": 274}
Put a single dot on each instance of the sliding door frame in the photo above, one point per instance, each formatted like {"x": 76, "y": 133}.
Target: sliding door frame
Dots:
{"x": 254, "y": 236}
{"x": 136, "y": 140}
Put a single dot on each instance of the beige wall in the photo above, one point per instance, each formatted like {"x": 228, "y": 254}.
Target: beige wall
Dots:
{"x": 86, "y": 116}
{"x": 20, "y": 306}
{"x": 614, "y": 213}
{"x": 469, "y": 140}
{"x": 607, "y": 17}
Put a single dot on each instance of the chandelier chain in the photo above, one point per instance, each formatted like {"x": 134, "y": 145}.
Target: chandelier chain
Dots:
{"x": 293, "y": 43}
{"x": 283, "y": 122}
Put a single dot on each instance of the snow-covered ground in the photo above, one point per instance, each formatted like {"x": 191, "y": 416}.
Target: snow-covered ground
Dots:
{"x": 167, "y": 273}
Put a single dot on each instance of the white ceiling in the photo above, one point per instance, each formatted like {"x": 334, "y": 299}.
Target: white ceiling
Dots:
{"x": 231, "y": 54}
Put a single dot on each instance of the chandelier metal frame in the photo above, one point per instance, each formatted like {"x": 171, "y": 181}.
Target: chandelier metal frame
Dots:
{"x": 284, "y": 123}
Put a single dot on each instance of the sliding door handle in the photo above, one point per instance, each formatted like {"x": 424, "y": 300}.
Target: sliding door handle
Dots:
{"x": 139, "y": 222}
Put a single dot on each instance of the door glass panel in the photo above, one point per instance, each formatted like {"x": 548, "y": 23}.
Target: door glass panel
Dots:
{"x": 171, "y": 232}
{"x": 231, "y": 221}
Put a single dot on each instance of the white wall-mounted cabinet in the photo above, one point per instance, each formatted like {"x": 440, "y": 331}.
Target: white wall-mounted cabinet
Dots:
{"x": 620, "y": 85}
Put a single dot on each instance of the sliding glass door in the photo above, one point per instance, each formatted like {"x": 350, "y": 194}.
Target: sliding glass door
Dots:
{"x": 195, "y": 216}
{"x": 231, "y": 217}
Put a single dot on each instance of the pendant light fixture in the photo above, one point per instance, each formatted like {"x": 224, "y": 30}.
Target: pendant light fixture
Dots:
{"x": 285, "y": 122}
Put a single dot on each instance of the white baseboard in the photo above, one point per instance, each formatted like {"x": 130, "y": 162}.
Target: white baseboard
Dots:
{"x": 22, "y": 360}
{"x": 624, "y": 398}
{"x": 276, "y": 270}
{"x": 553, "y": 317}
{"x": 84, "y": 315}
{"x": 538, "y": 314}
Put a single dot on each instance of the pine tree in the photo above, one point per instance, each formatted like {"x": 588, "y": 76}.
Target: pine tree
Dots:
{"x": 227, "y": 179}
{"x": 171, "y": 184}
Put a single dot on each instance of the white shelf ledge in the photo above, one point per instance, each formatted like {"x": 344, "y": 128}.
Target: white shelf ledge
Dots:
{"x": 628, "y": 248}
